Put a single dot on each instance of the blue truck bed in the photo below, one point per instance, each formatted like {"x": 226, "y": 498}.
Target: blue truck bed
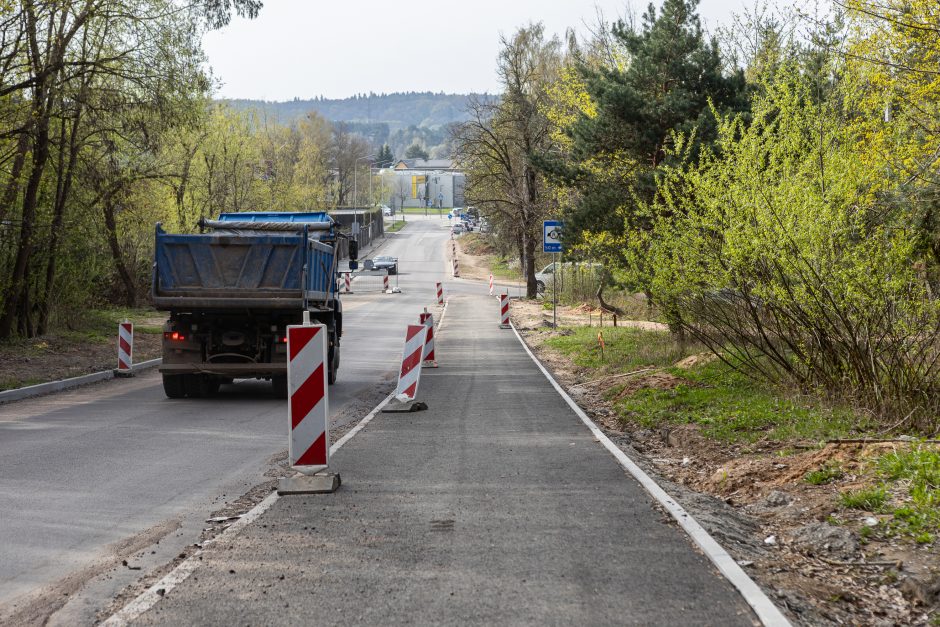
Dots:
{"x": 244, "y": 268}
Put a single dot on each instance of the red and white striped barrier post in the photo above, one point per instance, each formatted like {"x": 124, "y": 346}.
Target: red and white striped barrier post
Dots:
{"x": 428, "y": 360}
{"x": 308, "y": 410}
{"x": 125, "y": 348}
{"x": 440, "y": 294}
{"x": 504, "y": 311}
{"x": 385, "y": 283}
{"x": 491, "y": 285}
{"x": 410, "y": 373}
{"x": 348, "y": 283}
{"x": 456, "y": 268}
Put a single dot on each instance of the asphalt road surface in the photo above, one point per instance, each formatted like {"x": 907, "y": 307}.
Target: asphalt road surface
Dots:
{"x": 495, "y": 506}
{"x": 113, "y": 471}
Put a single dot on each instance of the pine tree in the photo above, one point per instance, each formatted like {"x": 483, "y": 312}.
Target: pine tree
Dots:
{"x": 672, "y": 74}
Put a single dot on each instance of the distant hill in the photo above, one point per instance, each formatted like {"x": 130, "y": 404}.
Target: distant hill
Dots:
{"x": 399, "y": 110}
{"x": 398, "y": 119}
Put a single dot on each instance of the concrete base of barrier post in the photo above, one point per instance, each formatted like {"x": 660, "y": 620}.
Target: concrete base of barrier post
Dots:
{"x": 396, "y": 406}
{"x": 124, "y": 374}
{"x": 320, "y": 483}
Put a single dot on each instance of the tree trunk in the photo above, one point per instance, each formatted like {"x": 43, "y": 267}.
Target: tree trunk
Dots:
{"x": 63, "y": 189}
{"x": 530, "y": 285}
{"x": 603, "y": 303}
{"x": 9, "y": 194}
{"x": 130, "y": 288}
{"x": 14, "y": 294}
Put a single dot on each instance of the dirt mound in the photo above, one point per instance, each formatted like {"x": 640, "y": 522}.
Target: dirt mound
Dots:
{"x": 475, "y": 244}
{"x": 654, "y": 380}
{"x": 585, "y": 308}
{"x": 695, "y": 360}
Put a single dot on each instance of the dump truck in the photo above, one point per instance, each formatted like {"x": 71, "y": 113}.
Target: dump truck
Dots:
{"x": 232, "y": 289}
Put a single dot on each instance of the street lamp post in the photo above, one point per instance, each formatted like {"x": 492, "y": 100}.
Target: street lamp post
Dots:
{"x": 355, "y": 195}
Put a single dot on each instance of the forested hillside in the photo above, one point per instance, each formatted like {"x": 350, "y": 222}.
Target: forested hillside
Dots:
{"x": 399, "y": 120}
{"x": 398, "y": 110}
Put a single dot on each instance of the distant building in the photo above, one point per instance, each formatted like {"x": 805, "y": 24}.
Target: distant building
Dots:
{"x": 408, "y": 185}
{"x": 446, "y": 165}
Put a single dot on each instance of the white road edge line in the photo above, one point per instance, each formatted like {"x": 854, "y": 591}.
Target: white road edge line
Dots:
{"x": 768, "y": 613}
{"x": 187, "y": 567}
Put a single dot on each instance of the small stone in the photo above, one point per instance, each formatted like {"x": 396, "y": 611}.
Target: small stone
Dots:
{"x": 770, "y": 540}
{"x": 921, "y": 590}
{"x": 823, "y": 538}
{"x": 871, "y": 521}
{"x": 686, "y": 461}
{"x": 775, "y": 498}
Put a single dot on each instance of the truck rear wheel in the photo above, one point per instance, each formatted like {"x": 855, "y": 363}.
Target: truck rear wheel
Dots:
{"x": 193, "y": 385}
{"x": 279, "y": 383}
{"x": 333, "y": 356}
{"x": 173, "y": 386}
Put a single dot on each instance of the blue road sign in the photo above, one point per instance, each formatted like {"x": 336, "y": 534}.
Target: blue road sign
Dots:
{"x": 551, "y": 236}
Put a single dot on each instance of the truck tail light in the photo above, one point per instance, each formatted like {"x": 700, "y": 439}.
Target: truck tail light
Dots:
{"x": 176, "y": 336}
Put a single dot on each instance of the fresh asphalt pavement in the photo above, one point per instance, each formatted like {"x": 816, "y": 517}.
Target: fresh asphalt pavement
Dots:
{"x": 116, "y": 470}
{"x": 494, "y": 506}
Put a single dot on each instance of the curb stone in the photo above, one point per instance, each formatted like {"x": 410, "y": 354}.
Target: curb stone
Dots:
{"x": 41, "y": 389}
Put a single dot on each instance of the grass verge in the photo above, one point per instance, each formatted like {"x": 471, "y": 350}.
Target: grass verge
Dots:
{"x": 396, "y": 226}
{"x": 725, "y": 404}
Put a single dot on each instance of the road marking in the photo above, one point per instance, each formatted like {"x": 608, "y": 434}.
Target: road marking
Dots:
{"x": 188, "y": 566}
{"x": 766, "y": 611}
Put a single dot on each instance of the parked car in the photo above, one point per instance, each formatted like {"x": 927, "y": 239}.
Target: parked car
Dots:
{"x": 458, "y": 228}
{"x": 546, "y": 276}
{"x": 384, "y": 262}
{"x": 387, "y": 211}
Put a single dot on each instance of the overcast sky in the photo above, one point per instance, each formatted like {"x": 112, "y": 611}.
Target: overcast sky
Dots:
{"x": 308, "y": 48}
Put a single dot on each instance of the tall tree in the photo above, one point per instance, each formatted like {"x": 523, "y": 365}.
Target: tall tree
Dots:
{"x": 497, "y": 145}
{"x": 416, "y": 151}
{"x": 654, "y": 83}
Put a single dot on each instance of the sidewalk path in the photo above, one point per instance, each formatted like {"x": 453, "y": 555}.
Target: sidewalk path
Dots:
{"x": 495, "y": 506}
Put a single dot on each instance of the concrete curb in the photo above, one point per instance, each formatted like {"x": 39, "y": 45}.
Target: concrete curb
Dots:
{"x": 768, "y": 613}
{"x": 41, "y": 389}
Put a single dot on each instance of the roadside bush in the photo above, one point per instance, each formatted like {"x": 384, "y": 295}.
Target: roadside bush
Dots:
{"x": 776, "y": 253}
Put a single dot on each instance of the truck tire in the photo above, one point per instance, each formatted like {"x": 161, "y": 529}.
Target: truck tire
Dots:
{"x": 173, "y": 386}
{"x": 333, "y": 368}
{"x": 279, "y": 383}
{"x": 209, "y": 386}
{"x": 193, "y": 385}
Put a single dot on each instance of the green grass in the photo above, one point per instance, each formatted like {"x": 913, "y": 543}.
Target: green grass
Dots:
{"x": 500, "y": 268}
{"x": 726, "y": 404}
{"x": 12, "y": 384}
{"x": 867, "y": 499}
{"x": 827, "y": 474}
{"x": 626, "y": 348}
{"x": 916, "y": 473}
{"x": 99, "y": 325}
{"x": 395, "y": 226}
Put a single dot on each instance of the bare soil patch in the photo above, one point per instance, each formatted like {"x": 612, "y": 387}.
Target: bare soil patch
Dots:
{"x": 474, "y": 266}
{"x": 61, "y": 355}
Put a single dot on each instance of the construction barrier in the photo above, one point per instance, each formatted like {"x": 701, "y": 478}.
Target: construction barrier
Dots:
{"x": 428, "y": 360}
{"x": 308, "y": 408}
{"x": 440, "y": 294}
{"x": 411, "y": 362}
{"x": 504, "y": 311}
{"x": 491, "y": 285}
{"x": 125, "y": 347}
{"x": 348, "y": 283}
{"x": 456, "y": 268}
{"x": 385, "y": 283}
